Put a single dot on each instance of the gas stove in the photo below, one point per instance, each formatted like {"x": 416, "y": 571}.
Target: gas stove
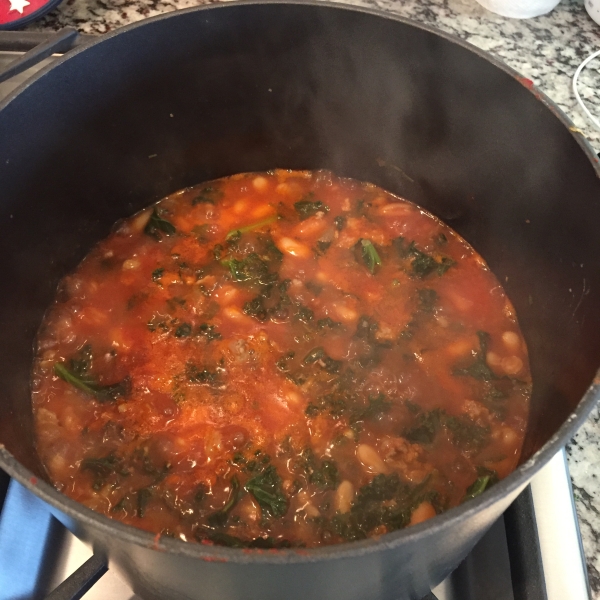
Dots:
{"x": 533, "y": 552}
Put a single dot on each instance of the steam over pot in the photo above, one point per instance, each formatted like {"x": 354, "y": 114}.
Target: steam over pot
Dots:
{"x": 200, "y": 94}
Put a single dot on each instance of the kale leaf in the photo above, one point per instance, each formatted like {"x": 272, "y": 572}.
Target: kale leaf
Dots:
{"x": 425, "y": 427}
{"x": 157, "y": 274}
{"x": 207, "y": 195}
{"x": 422, "y": 264}
{"x": 324, "y": 474}
{"x": 329, "y": 323}
{"x": 251, "y": 268}
{"x": 157, "y": 226}
{"x": 486, "y": 479}
{"x": 237, "y": 233}
{"x": 467, "y": 434}
{"x": 81, "y": 362}
{"x": 102, "y": 393}
{"x": 307, "y": 207}
{"x": 219, "y": 518}
{"x": 376, "y": 406}
{"x": 268, "y": 492}
{"x": 370, "y": 255}
{"x": 184, "y": 330}
{"x": 479, "y": 369}
{"x": 317, "y": 355}
{"x": 339, "y": 222}
{"x": 102, "y": 468}
{"x": 385, "y": 501}
{"x": 208, "y": 331}
{"x": 197, "y": 375}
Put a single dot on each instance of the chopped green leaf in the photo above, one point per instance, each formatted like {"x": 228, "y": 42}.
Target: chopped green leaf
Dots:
{"x": 305, "y": 314}
{"x": 157, "y": 226}
{"x": 329, "y": 323}
{"x": 339, "y": 222}
{"x": 208, "y": 195}
{"x": 102, "y": 468}
{"x": 209, "y": 332}
{"x": 385, "y": 501}
{"x": 282, "y": 363}
{"x": 157, "y": 322}
{"x": 318, "y": 355}
{"x": 322, "y": 247}
{"x": 425, "y": 426}
{"x": 375, "y": 407}
{"x": 204, "y": 376}
{"x": 219, "y": 518}
{"x": 252, "y": 227}
{"x": 422, "y": 264}
{"x": 81, "y": 362}
{"x": 157, "y": 274}
{"x": 251, "y": 268}
{"x": 256, "y": 308}
{"x": 366, "y": 328}
{"x": 314, "y": 355}
{"x": 466, "y": 434}
{"x": 307, "y": 207}
{"x": 487, "y": 478}
{"x": 184, "y": 330}
{"x": 324, "y": 474}
{"x": 266, "y": 489}
{"x": 370, "y": 256}
{"x": 479, "y": 369}
{"x": 102, "y": 393}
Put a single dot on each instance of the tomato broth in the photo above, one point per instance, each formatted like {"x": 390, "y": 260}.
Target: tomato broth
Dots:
{"x": 281, "y": 359}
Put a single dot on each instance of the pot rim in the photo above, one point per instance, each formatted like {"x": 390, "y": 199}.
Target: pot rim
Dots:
{"x": 517, "y": 480}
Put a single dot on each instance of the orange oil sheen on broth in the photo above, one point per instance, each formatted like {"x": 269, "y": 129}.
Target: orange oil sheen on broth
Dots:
{"x": 280, "y": 359}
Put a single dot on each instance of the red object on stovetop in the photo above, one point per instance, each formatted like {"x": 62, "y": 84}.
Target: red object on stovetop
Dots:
{"x": 17, "y": 13}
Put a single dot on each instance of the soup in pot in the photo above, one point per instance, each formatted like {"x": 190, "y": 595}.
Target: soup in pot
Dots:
{"x": 280, "y": 359}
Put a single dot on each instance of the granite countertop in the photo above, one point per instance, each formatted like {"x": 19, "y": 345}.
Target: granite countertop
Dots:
{"x": 546, "y": 49}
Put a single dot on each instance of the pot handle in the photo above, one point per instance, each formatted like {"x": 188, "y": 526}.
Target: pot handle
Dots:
{"x": 37, "y": 46}
{"x": 76, "y": 585}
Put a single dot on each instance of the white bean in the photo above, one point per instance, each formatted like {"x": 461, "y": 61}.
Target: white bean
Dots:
{"x": 293, "y": 247}
{"x": 493, "y": 359}
{"x": 369, "y": 458}
{"x": 344, "y": 496}
{"x": 138, "y": 223}
{"x": 131, "y": 264}
{"x": 512, "y": 365}
{"x": 511, "y": 340}
{"x": 260, "y": 184}
{"x": 347, "y": 314}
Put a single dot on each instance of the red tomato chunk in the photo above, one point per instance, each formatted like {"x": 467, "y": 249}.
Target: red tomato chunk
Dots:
{"x": 278, "y": 360}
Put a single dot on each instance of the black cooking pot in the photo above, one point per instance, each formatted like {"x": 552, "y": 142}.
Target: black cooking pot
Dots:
{"x": 204, "y": 93}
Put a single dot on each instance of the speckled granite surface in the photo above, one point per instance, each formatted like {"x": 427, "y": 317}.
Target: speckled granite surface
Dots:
{"x": 546, "y": 49}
